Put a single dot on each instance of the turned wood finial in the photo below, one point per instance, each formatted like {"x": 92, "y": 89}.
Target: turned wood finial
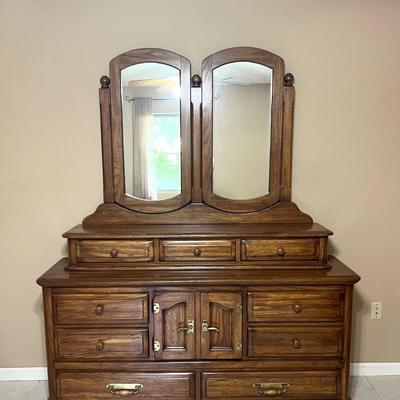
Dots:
{"x": 196, "y": 81}
{"x": 288, "y": 79}
{"x": 105, "y": 82}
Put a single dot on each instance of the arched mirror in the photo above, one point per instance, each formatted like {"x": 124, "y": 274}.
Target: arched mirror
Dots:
{"x": 151, "y": 124}
{"x": 242, "y": 112}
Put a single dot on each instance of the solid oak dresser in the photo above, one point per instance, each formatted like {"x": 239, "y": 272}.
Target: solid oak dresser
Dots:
{"x": 198, "y": 277}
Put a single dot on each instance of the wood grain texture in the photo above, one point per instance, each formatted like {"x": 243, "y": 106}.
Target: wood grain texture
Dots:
{"x": 197, "y": 250}
{"x": 92, "y": 386}
{"x": 100, "y": 308}
{"x": 176, "y": 309}
{"x": 102, "y": 344}
{"x": 114, "y": 250}
{"x": 280, "y": 249}
{"x": 318, "y": 305}
{"x": 220, "y": 311}
{"x": 106, "y": 145}
{"x": 287, "y": 143}
{"x": 302, "y": 385}
{"x": 197, "y": 213}
{"x": 295, "y": 341}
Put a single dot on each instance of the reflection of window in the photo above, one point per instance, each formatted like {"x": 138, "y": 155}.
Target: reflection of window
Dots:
{"x": 166, "y": 146}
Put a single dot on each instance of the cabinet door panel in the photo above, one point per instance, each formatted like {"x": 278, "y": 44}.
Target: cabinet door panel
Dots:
{"x": 176, "y": 311}
{"x": 221, "y": 325}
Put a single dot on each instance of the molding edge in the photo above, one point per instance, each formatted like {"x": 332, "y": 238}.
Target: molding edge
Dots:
{"x": 40, "y": 373}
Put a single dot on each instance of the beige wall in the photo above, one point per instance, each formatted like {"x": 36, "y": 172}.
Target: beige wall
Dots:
{"x": 345, "y": 56}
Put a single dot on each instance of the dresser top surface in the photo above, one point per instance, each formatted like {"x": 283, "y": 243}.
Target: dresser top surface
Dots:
{"x": 339, "y": 274}
{"x": 197, "y": 230}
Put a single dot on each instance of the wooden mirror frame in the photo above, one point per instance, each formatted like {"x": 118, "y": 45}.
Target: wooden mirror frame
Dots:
{"x": 259, "y": 56}
{"x": 117, "y": 64}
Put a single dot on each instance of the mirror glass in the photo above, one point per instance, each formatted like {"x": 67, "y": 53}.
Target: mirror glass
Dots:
{"x": 242, "y": 96}
{"x": 151, "y": 130}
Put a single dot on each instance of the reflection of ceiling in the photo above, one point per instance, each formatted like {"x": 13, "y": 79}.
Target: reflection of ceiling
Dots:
{"x": 242, "y": 73}
{"x": 148, "y": 71}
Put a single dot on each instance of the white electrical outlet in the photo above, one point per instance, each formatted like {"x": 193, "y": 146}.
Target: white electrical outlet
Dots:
{"x": 376, "y": 310}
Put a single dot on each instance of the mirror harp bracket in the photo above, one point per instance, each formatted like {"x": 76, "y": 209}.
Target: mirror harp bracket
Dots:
{"x": 106, "y": 140}
{"x": 287, "y": 137}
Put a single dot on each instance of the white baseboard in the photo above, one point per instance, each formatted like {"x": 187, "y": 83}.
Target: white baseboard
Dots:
{"x": 40, "y": 374}
{"x": 375, "y": 369}
{"x": 23, "y": 374}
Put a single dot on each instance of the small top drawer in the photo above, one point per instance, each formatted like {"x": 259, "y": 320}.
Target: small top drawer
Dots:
{"x": 114, "y": 250}
{"x": 197, "y": 250}
{"x": 280, "y": 249}
{"x": 269, "y": 305}
{"x": 99, "y": 309}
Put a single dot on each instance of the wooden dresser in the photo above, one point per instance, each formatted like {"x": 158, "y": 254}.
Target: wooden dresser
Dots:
{"x": 176, "y": 289}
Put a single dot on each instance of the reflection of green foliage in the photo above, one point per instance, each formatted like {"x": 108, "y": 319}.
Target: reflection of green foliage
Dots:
{"x": 168, "y": 173}
{"x": 167, "y": 158}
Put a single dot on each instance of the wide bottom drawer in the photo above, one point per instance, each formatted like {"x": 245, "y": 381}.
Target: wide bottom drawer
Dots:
{"x": 304, "y": 385}
{"x": 105, "y": 385}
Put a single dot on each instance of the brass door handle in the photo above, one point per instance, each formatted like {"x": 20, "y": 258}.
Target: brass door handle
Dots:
{"x": 189, "y": 328}
{"x": 124, "y": 389}
{"x": 271, "y": 389}
{"x": 206, "y": 328}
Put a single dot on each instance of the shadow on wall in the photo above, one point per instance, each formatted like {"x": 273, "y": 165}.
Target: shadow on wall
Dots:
{"x": 360, "y": 312}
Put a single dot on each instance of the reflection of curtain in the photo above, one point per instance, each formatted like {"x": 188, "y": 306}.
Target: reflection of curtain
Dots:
{"x": 142, "y": 128}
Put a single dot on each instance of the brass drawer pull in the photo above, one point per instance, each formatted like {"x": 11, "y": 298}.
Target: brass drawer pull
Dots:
{"x": 189, "y": 328}
{"x": 197, "y": 252}
{"x": 100, "y": 345}
{"x": 298, "y": 308}
{"x": 114, "y": 253}
{"x": 271, "y": 389}
{"x": 281, "y": 252}
{"x": 206, "y": 328}
{"x": 99, "y": 309}
{"x": 124, "y": 389}
{"x": 296, "y": 343}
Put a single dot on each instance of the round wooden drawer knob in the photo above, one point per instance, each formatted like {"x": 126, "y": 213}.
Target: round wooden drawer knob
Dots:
{"x": 100, "y": 345}
{"x": 281, "y": 252}
{"x": 298, "y": 308}
{"x": 197, "y": 252}
{"x": 114, "y": 253}
{"x": 99, "y": 309}
{"x": 296, "y": 343}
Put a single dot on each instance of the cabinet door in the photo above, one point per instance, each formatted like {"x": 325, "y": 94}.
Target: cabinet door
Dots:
{"x": 174, "y": 335}
{"x": 221, "y": 325}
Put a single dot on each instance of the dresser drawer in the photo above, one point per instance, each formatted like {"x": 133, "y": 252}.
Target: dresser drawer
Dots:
{"x": 286, "y": 306}
{"x": 108, "y": 386}
{"x": 280, "y": 249}
{"x": 197, "y": 250}
{"x": 278, "y": 385}
{"x": 104, "y": 344}
{"x": 306, "y": 341}
{"x": 99, "y": 309}
{"x": 114, "y": 250}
